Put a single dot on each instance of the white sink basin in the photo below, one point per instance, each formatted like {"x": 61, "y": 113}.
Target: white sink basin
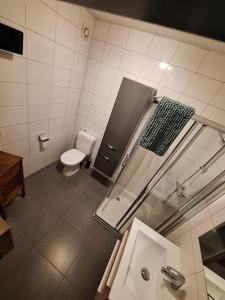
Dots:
{"x": 145, "y": 248}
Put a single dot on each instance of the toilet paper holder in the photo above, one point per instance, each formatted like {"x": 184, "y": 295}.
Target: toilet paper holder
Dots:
{"x": 43, "y": 138}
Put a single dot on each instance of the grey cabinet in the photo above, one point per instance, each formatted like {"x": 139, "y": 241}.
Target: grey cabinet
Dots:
{"x": 131, "y": 103}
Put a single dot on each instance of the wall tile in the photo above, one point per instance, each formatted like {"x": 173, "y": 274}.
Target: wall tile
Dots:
{"x": 86, "y": 98}
{"x": 103, "y": 90}
{"x": 80, "y": 63}
{"x": 12, "y": 69}
{"x": 82, "y": 111}
{"x": 98, "y": 104}
{"x": 51, "y": 3}
{"x": 112, "y": 55}
{"x": 13, "y": 94}
{"x": 44, "y": 25}
{"x": 131, "y": 62}
{"x": 118, "y": 35}
{"x": 59, "y": 95}
{"x": 63, "y": 57}
{"x": 188, "y": 57}
{"x": 213, "y": 66}
{"x": 76, "y": 80}
{"x": 139, "y": 41}
{"x": 12, "y": 134}
{"x": 84, "y": 45}
{"x": 214, "y": 114}
{"x": 38, "y": 112}
{"x": 74, "y": 95}
{"x": 56, "y": 124}
{"x": 66, "y": 33}
{"x": 184, "y": 242}
{"x": 100, "y": 30}
{"x": 13, "y": 10}
{"x": 12, "y": 115}
{"x": 107, "y": 73}
{"x": 61, "y": 77}
{"x": 218, "y": 217}
{"x": 17, "y": 148}
{"x": 38, "y": 127}
{"x": 88, "y": 19}
{"x": 71, "y": 109}
{"x": 219, "y": 99}
{"x": 39, "y": 48}
{"x": 202, "y": 88}
{"x": 176, "y": 79}
{"x": 57, "y": 110}
{"x": 39, "y": 73}
{"x": 152, "y": 70}
{"x": 198, "y": 105}
{"x": 89, "y": 84}
{"x": 197, "y": 231}
{"x": 162, "y": 48}
{"x": 92, "y": 67}
{"x": 70, "y": 11}
{"x": 119, "y": 77}
{"x": 163, "y": 91}
{"x": 39, "y": 94}
{"x": 96, "y": 49}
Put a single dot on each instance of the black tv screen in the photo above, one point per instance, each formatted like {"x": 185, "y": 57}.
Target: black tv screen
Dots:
{"x": 11, "y": 39}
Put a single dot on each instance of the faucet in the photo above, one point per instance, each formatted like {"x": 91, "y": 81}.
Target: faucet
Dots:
{"x": 176, "y": 278}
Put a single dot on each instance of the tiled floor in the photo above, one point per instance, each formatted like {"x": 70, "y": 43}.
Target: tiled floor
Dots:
{"x": 60, "y": 251}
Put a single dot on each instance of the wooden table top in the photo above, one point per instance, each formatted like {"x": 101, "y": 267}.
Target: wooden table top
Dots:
{"x": 7, "y": 161}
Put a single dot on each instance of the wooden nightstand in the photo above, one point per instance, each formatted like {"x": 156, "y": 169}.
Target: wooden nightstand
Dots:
{"x": 11, "y": 178}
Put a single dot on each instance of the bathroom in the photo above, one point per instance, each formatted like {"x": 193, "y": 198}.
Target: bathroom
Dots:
{"x": 58, "y": 94}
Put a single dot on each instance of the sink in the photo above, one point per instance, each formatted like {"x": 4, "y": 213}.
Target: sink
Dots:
{"x": 145, "y": 253}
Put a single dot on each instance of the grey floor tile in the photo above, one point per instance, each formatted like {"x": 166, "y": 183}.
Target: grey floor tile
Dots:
{"x": 62, "y": 246}
{"x": 86, "y": 272}
{"x": 37, "y": 224}
{"x": 22, "y": 250}
{"x": 80, "y": 216}
{"x": 57, "y": 217}
{"x": 21, "y": 206}
{"x": 66, "y": 291}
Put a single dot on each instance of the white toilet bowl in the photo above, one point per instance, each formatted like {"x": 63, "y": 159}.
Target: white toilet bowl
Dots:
{"x": 71, "y": 160}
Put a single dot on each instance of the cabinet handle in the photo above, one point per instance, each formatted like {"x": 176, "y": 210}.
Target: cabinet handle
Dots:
{"x": 106, "y": 158}
{"x": 111, "y": 147}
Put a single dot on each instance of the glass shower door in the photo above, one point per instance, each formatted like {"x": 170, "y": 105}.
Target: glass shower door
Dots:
{"x": 141, "y": 167}
{"x": 200, "y": 167}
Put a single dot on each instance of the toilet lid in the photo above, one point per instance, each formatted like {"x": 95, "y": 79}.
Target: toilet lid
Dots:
{"x": 72, "y": 157}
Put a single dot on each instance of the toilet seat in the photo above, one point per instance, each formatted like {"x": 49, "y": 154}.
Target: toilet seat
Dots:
{"x": 72, "y": 157}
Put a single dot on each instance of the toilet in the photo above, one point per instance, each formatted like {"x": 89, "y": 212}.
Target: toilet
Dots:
{"x": 72, "y": 158}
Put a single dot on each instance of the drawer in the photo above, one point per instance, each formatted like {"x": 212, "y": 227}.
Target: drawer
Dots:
{"x": 106, "y": 163}
{"x": 9, "y": 175}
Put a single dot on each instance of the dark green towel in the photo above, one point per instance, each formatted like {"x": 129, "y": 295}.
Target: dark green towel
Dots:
{"x": 164, "y": 125}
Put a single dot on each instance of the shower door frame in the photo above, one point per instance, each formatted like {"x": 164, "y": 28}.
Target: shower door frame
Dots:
{"x": 140, "y": 199}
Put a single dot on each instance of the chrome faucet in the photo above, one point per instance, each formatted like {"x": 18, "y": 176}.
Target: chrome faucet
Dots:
{"x": 175, "y": 278}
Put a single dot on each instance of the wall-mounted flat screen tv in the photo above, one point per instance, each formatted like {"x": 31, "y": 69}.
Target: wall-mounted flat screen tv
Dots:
{"x": 11, "y": 39}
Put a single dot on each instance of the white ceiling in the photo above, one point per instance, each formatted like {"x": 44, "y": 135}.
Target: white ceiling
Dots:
{"x": 182, "y": 36}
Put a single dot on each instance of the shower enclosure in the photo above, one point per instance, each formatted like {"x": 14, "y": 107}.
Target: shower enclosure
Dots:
{"x": 159, "y": 190}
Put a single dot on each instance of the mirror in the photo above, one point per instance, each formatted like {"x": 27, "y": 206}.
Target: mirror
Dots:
{"x": 212, "y": 246}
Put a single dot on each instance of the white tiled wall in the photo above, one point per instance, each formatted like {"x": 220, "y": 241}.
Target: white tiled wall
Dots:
{"x": 186, "y": 237}
{"x": 185, "y": 72}
{"x": 40, "y": 90}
